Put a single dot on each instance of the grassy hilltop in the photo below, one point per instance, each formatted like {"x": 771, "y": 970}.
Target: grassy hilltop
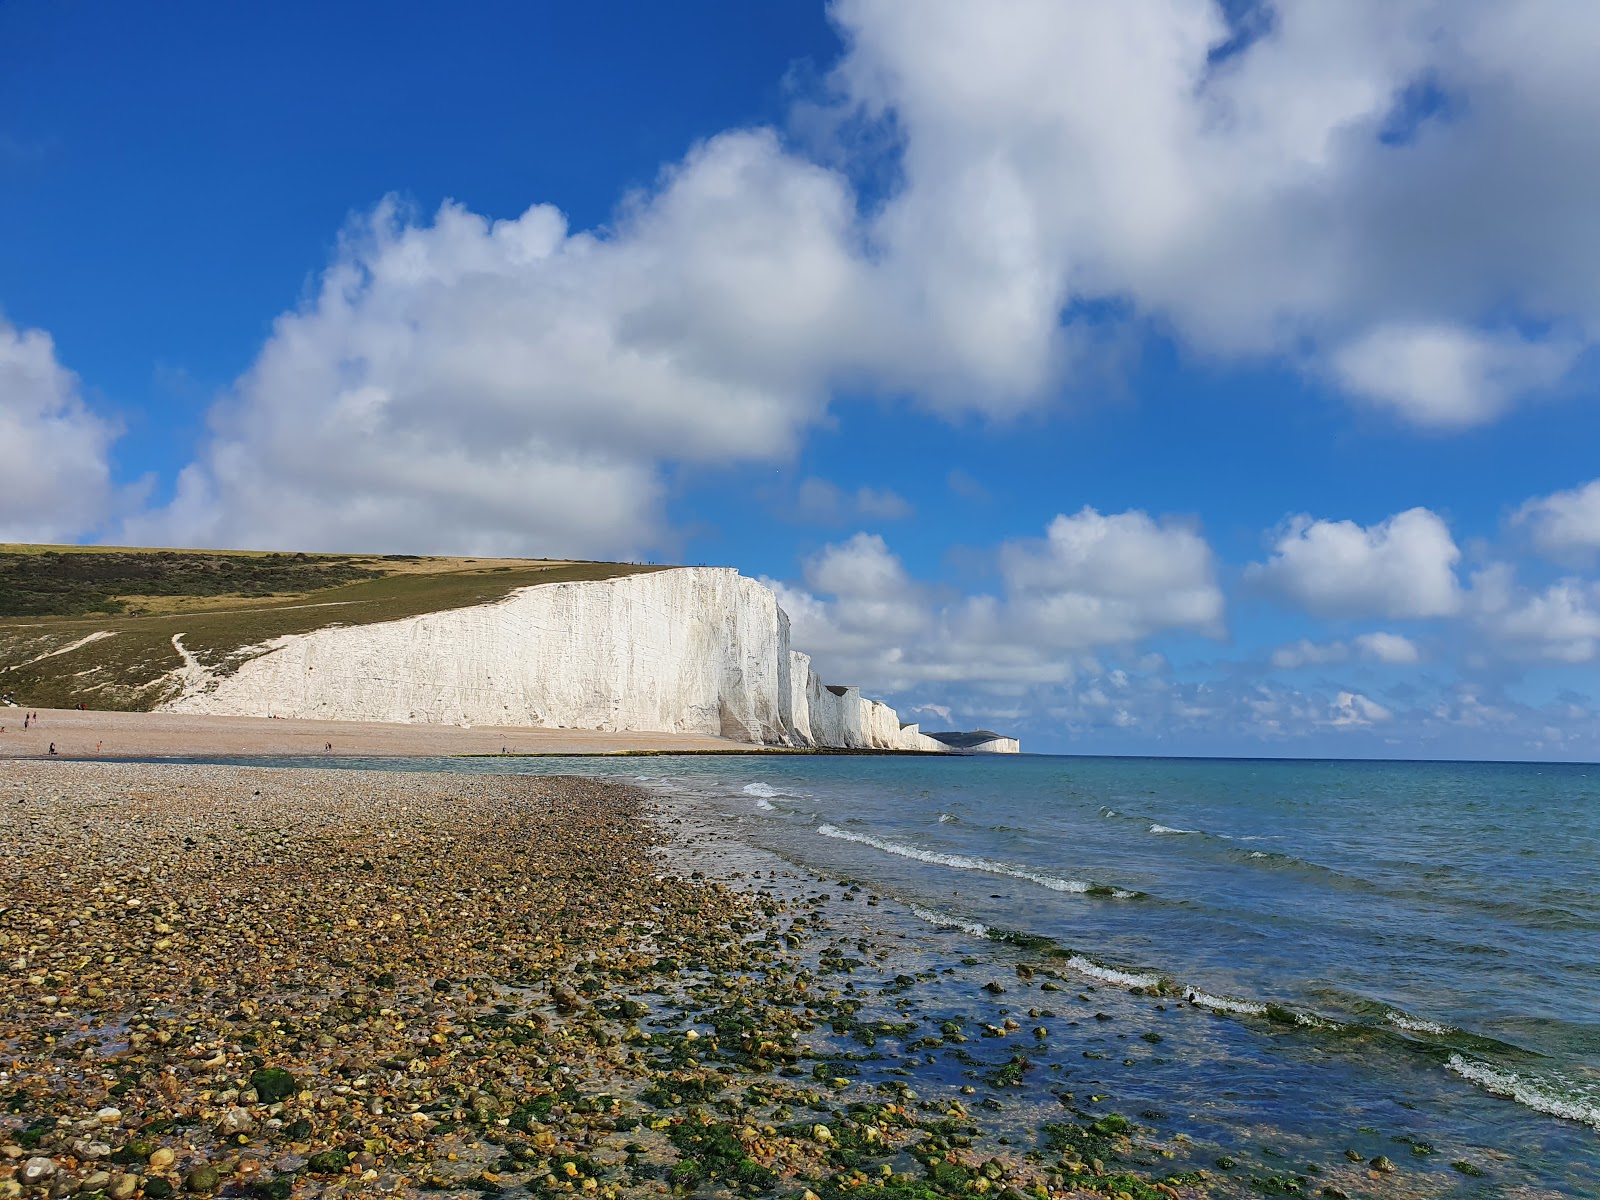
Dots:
{"x": 94, "y": 625}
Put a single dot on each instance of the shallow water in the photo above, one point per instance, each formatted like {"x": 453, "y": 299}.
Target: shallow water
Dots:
{"x": 1428, "y": 935}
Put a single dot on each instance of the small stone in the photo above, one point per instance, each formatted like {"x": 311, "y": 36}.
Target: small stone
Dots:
{"x": 1335, "y": 1193}
{"x": 162, "y": 1158}
{"x": 94, "y": 1181}
{"x": 109, "y": 1116}
{"x": 1382, "y": 1163}
{"x": 37, "y": 1170}
{"x": 235, "y": 1120}
{"x": 203, "y": 1180}
{"x": 1353, "y": 1155}
{"x": 122, "y": 1187}
{"x": 88, "y": 1150}
{"x": 157, "y": 1189}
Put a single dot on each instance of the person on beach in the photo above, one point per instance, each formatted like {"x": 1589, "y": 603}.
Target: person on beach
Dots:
{"x": 52, "y": 747}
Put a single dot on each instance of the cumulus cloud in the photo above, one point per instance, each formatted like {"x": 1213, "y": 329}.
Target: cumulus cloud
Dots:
{"x": 1564, "y": 525}
{"x": 53, "y": 449}
{"x": 1560, "y": 623}
{"x": 1401, "y": 567}
{"x": 1397, "y": 195}
{"x": 1352, "y": 708}
{"x": 1388, "y": 648}
{"x": 1447, "y": 376}
{"x": 1374, "y": 185}
{"x": 1097, "y": 580}
{"x": 516, "y": 386}
{"x": 1092, "y": 581}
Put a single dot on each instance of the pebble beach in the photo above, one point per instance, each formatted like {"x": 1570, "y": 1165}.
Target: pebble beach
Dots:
{"x": 241, "y": 981}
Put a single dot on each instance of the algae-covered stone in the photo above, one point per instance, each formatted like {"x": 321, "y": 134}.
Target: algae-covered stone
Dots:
{"x": 157, "y": 1189}
{"x": 272, "y": 1084}
{"x": 203, "y": 1180}
{"x": 329, "y": 1162}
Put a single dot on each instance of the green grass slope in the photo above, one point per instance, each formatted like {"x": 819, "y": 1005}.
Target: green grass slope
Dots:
{"x": 94, "y": 625}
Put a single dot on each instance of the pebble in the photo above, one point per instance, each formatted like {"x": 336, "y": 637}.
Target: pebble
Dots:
{"x": 37, "y": 1170}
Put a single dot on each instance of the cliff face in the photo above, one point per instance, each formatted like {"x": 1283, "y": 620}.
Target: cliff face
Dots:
{"x": 691, "y": 650}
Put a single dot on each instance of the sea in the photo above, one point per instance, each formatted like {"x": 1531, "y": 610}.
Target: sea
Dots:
{"x": 1397, "y": 958}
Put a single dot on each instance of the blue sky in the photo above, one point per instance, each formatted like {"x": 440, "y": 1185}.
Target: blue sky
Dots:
{"x": 1166, "y": 378}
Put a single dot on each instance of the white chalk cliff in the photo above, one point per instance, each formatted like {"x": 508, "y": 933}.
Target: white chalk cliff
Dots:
{"x": 687, "y": 650}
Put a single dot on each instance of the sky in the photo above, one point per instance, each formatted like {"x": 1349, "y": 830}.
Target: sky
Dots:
{"x": 1166, "y": 377}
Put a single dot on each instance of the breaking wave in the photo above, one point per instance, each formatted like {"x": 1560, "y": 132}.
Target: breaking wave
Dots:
{"x": 1555, "y": 1097}
{"x": 947, "y": 921}
{"x": 964, "y": 862}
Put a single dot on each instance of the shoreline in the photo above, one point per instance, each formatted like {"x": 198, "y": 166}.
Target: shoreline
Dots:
{"x": 145, "y": 735}
{"x": 634, "y": 1002}
{"x": 110, "y": 736}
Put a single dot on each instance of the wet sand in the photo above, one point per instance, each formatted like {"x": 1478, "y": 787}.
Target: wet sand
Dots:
{"x": 110, "y": 735}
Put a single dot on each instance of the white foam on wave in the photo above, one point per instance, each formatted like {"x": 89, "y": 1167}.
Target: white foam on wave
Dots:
{"x": 1417, "y": 1024}
{"x": 1556, "y": 1099}
{"x": 1169, "y": 829}
{"x": 762, "y": 794}
{"x": 946, "y": 921}
{"x": 1087, "y": 966}
{"x": 1225, "y": 1003}
{"x": 946, "y": 818}
{"x": 960, "y": 862}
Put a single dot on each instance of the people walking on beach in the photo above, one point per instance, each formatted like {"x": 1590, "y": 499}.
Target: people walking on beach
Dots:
{"x": 52, "y": 747}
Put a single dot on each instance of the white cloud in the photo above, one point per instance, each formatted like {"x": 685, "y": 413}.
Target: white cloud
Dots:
{"x": 1559, "y": 624}
{"x": 1401, "y": 567}
{"x": 1564, "y": 525}
{"x": 515, "y": 386}
{"x": 1447, "y": 376}
{"x": 1373, "y": 185}
{"x": 1093, "y": 581}
{"x": 53, "y": 449}
{"x": 1389, "y": 648}
{"x": 1354, "y": 709}
{"x": 1098, "y": 580}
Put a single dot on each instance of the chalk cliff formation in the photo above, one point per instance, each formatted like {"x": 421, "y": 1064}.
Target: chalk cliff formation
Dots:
{"x": 687, "y": 650}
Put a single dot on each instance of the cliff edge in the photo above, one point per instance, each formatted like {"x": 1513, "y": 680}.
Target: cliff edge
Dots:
{"x": 682, "y": 650}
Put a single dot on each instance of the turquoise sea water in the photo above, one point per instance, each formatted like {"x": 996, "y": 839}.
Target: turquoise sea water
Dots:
{"x": 1426, "y": 934}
